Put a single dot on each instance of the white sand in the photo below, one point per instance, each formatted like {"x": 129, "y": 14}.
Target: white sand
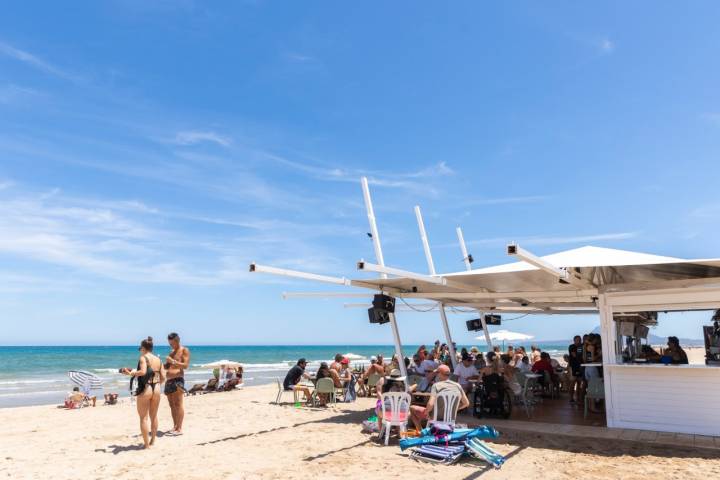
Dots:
{"x": 242, "y": 435}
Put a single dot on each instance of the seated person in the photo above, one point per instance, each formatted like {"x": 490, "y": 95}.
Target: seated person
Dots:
{"x": 675, "y": 352}
{"x": 524, "y": 365}
{"x": 293, "y": 377}
{"x": 344, "y": 374}
{"x": 110, "y": 398}
{"x": 649, "y": 354}
{"x": 392, "y": 383}
{"x": 465, "y": 370}
{"x": 428, "y": 366}
{"x": 442, "y": 383}
{"x": 336, "y": 364}
{"x": 324, "y": 372}
{"x": 374, "y": 368}
{"x": 544, "y": 365}
{"x": 77, "y": 399}
{"x": 416, "y": 368}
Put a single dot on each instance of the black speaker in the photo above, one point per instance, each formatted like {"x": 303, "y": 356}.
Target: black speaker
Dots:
{"x": 379, "y": 316}
{"x": 384, "y": 302}
{"x": 474, "y": 325}
{"x": 493, "y": 319}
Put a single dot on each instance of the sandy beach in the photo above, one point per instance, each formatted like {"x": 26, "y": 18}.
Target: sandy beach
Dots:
{"x": 241, "y": 434}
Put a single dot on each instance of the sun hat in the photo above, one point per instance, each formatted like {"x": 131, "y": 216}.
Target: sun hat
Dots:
{"x": 474, "y": 349}
{"x": 395, "y": 374}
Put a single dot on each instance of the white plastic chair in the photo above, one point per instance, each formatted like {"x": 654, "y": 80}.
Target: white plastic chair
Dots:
{"x": 450, "y": 403}
{"x": 281, "y": 390}
{"x": 398, "y": 413}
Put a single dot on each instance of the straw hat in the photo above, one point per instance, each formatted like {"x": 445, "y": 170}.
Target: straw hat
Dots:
{"x": 395, "y": 374}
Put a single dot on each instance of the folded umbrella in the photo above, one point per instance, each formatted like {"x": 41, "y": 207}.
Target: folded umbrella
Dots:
{"x": 460, "y": 434}
{"x": 88, "y": 381}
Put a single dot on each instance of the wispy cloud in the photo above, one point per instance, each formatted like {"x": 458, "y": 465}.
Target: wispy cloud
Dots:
{"x": 299, "y": 57}
{"x": 711, "y": 117}
{"x": 505, "y": 200}
{"x": 35, "y": 62}
{"x": 13, "y": 93}
{"x": 193, "y": 137}
{"x": 547, "y": 240}
{"x": 707, "y": 211}
{"x": 605, "y": 46}
{"x": 130, "y": 241}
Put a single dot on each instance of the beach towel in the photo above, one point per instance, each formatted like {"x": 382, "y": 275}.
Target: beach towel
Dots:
{"x": 350, "y": 393}
{"x": 460, "y": 434}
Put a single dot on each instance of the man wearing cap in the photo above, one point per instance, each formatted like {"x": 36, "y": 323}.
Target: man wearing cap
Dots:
{"x": 293, "y": 378}
{"x": 443, "y": 382}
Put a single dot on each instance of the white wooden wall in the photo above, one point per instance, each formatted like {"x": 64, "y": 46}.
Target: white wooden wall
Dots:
{"x": 682, "y": 399}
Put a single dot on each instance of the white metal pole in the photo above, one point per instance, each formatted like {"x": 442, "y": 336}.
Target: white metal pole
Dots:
{"x": 381, "y": 262}
{"x": 466, "y": 259}
{"x": 373, "y": 224}
{"x": 431, "y": 268}
{"x": 423, "y": 237}
{"x": 463, "y": 248}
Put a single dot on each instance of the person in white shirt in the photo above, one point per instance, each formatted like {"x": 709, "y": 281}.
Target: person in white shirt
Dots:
{"x": 465, "y": 370}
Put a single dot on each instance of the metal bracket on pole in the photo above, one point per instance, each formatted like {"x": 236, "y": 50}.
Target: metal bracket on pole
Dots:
{"x": 431, "y": 268}
{"x": 466, "y": 259}
{"x": 381, "y": 262}
{"x": 373, "y": 224}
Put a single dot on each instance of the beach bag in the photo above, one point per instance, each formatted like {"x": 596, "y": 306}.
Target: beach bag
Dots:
{"x": 441, "y": 428}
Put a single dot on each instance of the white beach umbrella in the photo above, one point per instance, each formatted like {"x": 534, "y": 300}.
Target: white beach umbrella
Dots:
{"x": 88, "y": 381}
{"x": 222, "y": 363}
{"x": 506, "y": 336}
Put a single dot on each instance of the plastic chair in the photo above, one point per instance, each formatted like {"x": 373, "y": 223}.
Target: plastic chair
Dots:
{"x": 395, "y": 412}
{"x": 325, "y": 386}
{"x": 595, "y": 391}
{"x": 372, "y": 380}
{"x": 280, "y": 392}
{"x": 527, "y": 395}
{"x": 450, "y": 403}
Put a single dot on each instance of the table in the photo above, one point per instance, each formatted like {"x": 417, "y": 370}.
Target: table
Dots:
{"x": 591, "y": 364}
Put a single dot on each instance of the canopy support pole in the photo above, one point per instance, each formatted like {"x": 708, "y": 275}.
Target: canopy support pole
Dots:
{"x": 431, "y": 268}
{"x": 466, "y": 259}
{"x": 381, "y": 262}
{"x": 463, "y": 249}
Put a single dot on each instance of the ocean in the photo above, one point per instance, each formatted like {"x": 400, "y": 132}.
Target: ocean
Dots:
{"x": 38, "y": 375}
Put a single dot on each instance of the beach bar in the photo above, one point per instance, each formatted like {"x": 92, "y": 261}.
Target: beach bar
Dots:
{"x": 626, "y": 289}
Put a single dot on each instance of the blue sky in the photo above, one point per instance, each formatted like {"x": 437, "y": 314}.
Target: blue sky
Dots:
{"x": 148, "y": 153}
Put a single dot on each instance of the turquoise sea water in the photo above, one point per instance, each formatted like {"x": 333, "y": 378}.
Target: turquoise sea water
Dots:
{"x": 38, "y": 375}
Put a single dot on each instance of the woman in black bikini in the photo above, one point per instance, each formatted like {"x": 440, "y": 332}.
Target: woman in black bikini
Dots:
{"x": 150, "y": 373}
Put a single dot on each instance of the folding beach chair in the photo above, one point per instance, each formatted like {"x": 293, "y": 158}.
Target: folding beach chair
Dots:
{"x": 281, "y": 391}
{"x": 442, "y": 454}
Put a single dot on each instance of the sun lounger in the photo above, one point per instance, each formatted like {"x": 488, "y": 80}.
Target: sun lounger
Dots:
{"x": 438, "y": 454}
{"x": 481, "y": 450}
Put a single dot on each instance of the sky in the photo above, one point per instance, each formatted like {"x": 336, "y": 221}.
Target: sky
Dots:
{"x": 149, "y": 151}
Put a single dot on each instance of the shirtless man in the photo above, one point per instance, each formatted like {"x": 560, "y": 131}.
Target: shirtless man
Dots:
{"x": 175, "y": 364}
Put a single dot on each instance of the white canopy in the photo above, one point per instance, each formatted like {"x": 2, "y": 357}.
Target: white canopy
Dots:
{"x": 527, "y": 288}
{"x": 506, "y": 336}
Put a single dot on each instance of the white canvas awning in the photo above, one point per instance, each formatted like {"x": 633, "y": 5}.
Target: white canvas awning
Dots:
{"x": 521, "y": 286}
